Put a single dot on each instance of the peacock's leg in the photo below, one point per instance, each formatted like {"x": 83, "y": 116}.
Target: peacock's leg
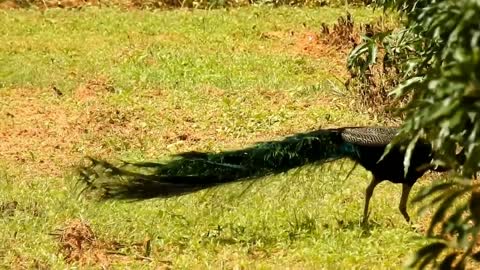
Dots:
{"x": 403, "y": 201}
{"x": 368, "y": 195}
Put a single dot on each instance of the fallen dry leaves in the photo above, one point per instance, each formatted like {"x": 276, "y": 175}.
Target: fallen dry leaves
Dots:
{"x": 79, "y": 244}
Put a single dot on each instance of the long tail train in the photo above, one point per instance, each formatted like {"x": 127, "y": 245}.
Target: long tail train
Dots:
{"x": 193, "y": 171}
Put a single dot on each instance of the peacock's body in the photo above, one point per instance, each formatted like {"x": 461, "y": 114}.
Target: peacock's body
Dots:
{"x": 193, "y": 171}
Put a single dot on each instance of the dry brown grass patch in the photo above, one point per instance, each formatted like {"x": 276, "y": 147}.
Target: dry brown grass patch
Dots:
{"x": 35, "y": 128}
{"x": 336, "y": 41}
{"x": 310, "y": 43}
{"x": 9, "y": 4}
{"x": 330, "y": 43}
{"x": 127, "y": 4}
{"x": 93, "y": 89}
{"x": 334, "y": 44}
{"x": 343, "y": 34}
{"x": 45, "y": 4}
{"x": 20, "y": 262}
{"x": 79, "y": 244}
{"x": 45, "y": 134}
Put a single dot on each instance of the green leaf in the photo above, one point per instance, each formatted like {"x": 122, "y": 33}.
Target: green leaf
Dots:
{"x": 476, "y": 256}
{"x": 454, "y": 220}
{"x": 426, "y": 192}
{"x": 448, "y": 261}
{"x": 427, "y": 253}
{"x": 407, "y": 85}
{"x": 437, "y": 54}
{"x": 372, "y": 53}
{"x": 442, "y": 209}
{"x": 409, "y": 152}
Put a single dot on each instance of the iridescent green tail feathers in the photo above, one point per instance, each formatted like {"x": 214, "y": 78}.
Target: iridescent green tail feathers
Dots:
{"x": 192, "y": 171}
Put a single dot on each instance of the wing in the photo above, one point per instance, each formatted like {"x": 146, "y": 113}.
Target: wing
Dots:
{"x": 369, "y": 136}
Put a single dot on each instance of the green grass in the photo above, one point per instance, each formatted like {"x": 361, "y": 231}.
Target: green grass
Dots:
{"x": 169, "y": 81}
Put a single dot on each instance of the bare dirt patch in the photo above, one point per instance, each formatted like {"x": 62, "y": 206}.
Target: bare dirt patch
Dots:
{"x": 332, "y": 43}
{"x": 9, "y": 4}
{"x": 93, "y": 89}
{"x": 34, "y": 129}
{"x": 45, "y": 134}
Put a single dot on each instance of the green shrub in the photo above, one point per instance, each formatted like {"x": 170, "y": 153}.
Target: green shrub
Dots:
{"x": 438, "y": 58}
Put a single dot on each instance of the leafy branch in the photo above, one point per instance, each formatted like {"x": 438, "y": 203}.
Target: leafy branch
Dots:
{"x": 437, "y": 53}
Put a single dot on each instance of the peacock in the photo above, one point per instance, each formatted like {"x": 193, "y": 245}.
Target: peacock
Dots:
{"x": 193, "y": 171}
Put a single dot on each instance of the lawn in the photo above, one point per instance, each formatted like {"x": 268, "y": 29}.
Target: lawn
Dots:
{"x": 141, "y": 85}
